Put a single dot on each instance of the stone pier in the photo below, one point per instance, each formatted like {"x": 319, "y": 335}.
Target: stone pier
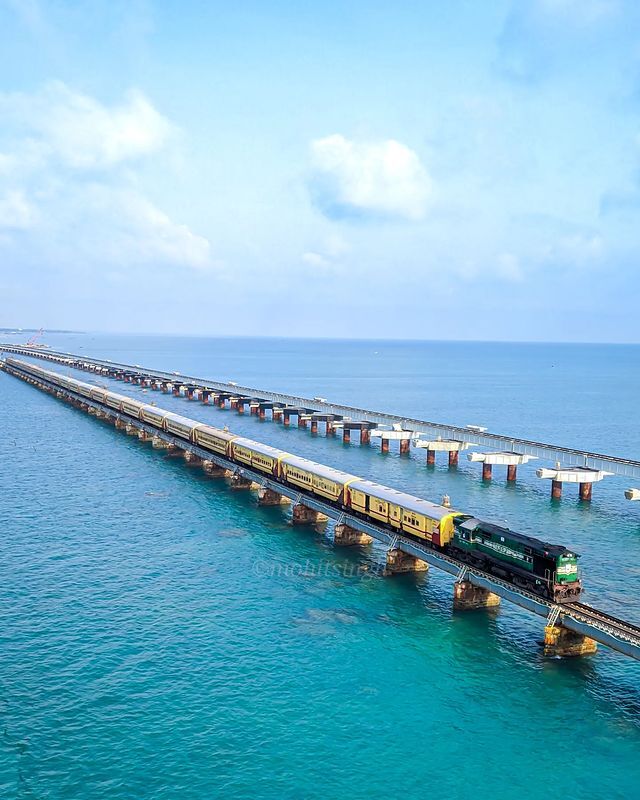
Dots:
{"x": 192, "y": 459}
{"x": 468, "y": 597}
{"x": 238, "y": 482}
{"x": 399, "y": 562}
{"x": 144, "y": 436}
{"x": 303, "y": 515}
{"x": 159, "y": 444}
{"x": 345, "y": 536}
{"x": 560, "y": 641}
{"x": 267, "y": 497}
{"x": 214, "y": 471}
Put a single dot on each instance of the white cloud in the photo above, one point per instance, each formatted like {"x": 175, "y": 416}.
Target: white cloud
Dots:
{"x": 368, "y": 179}
{"x": 15, "y": 211}
{"x": 68, "y": 173}
{"x": 84, "y": 134}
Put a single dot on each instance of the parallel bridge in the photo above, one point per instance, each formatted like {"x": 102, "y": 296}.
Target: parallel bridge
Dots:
{"x": 466, "y": 436}
{"x": 579, "y": 618}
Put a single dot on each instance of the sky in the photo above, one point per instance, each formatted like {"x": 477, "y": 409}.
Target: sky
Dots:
{"x": 425, "y": 170}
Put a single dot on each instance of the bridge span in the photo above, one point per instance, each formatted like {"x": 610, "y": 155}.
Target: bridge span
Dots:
{"x": 570, "y": 465}
{"x": 571, "y": 628}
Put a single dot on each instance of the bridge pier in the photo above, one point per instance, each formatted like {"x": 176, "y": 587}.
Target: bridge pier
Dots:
{"x": 238, "y": 482}
{"x": 560, "y": 641}
{"x": 303, "y": 515}
{"x": 276, "y": 414}
{"x": 468, "y": 597}
{"x": 314, "y": 427}
{"x": 345, "y": 536}
{"x": 144, "y": 436}
{"x": 585, "y": 477}
{"x": 365, "y": 436}
{"x": 267, "y": 497}
{"x": 159, "y": 444}
{"x": 240, "y": 407}
{"x": 399, "y": 562}
{"x": 214, "y": 471}
{"x": 192, "y": 459}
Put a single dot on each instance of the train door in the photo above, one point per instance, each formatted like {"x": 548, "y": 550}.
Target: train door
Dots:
{"x": 395, "y": 515}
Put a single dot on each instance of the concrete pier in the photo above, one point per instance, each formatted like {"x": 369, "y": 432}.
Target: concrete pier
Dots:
{"x": 303, "y": 515}
{"x": 267, "y": 497}
{"x": 403, "y": 437}
{"x": 468, "y": 597}
{"x": 214, "y": 471}
{"x": 450, "y": 446}
{"x": 585, "y": 477}
{"x": 503, "y": 458}
{"x": 239, "y": 482}
{"x": 398, "y": 562}
{"x": 561, "y": 642}
{"x": 192, "y": 459}
{"x": 345, "y": 536}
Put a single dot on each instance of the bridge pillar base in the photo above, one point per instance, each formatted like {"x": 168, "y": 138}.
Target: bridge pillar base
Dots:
{"x": 238, "y": 482}
{"x": 130, "y": 429}
{"x": 399, "y": 562}
{"x": 302, "y": 515}
{"x": 267, "y": 497}
{"x": 159, "y": 444}
{"x": 145, "y": 436}
{"x": 467, "y": 597}
{"x": 560, "y": 641}
{"x": 214, "y": 471}
{"x": 192, "y": 459}
{"x": 345, "y": 536}
{"x": 120, "y": 424}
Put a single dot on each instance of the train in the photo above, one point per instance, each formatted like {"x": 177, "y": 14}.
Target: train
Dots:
{"x": 545, "y": 569}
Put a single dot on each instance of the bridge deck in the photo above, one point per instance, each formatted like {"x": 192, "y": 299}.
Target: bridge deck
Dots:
{"x": 603, "y": 628}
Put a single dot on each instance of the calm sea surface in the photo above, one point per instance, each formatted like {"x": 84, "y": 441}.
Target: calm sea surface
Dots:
{"x": 163, "y": 637}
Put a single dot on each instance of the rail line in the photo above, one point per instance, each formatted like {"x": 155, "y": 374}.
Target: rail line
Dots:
{"x": 583, "y": 619}
{"x": 620, "y": 466}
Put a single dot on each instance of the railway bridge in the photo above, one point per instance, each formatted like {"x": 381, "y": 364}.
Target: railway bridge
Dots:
{"x": 571, "y": 629}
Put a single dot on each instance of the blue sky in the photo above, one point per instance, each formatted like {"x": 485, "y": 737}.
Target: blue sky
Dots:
{"x": 461, "y": 170}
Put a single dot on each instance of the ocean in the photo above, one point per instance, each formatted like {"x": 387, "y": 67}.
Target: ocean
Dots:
{"x": 165, "y": 638}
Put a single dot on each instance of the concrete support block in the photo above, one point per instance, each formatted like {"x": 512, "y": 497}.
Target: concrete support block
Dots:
{"x": 302, "y": 422}
{"x": 345, "y": 536}
{"x": 384, "y": 445}
{"x": 365, "y": 436}
{"x": 560, "y": 641}
{"x": 431, "y": 458}
{"x": 331, "y": 431}
{"x": 120, "y": 424}
{"x": 467, "y": 597}
{"x": 91, "y": 410}
{"x": 238, "y": 482}
{"x": 267, "y": 497}
{"x": 556, "y": 489}
{"x": 346, "y": 435}
{"x": 405, "y": 446}
{"x": 131, "y": 430}
{"x": 234, "y": 403}
{"x": 214, "y": 471}
{"x": 262, "y": 414}
{"x": 512, "y": 472}
{"x": 192, "y": 459}
{"x": 302, "y": 515}
{"x": 486, "y": 472}
{"x": 399, "y": 562}
{"x": 314, "y": 427}
{"x": 241, "y": 407}
{"x": 144, "y": 436}
{"x": 160, "y": 444}
{"x": 221, "y": 402}
{"x": 286, "y": 420}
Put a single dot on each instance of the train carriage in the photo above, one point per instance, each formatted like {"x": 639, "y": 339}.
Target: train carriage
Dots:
{"x": 132, "y": 407}
{"x": 114, "y": 400}
{"x": 84, "y": 389}
{"x": 423, "y": 519}
{"x": 214, "y": 439}
{"x": 181, "y": 426}
{"x": 153, "y": 416}
{"x": 260, "y": 456}
{"x": 324, "y": 481}
{"x": 99, "y": 395}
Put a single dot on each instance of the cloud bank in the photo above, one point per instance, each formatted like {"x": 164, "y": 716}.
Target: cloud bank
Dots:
{"x": 70, "y": 185}
{"x": 368, "y": 180}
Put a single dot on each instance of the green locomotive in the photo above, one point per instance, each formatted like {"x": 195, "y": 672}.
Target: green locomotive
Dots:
{"x": 549, "y": 570}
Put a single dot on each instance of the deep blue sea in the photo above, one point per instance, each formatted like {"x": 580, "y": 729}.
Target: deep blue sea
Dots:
{"x": 164, "y": 638}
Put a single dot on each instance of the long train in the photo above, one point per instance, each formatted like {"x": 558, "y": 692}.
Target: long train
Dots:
{"x": 548, "y": 570}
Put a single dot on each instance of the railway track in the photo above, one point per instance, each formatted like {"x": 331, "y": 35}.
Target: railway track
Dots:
{"x": 617, "y": 627}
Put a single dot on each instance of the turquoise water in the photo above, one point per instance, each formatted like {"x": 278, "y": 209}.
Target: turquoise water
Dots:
{"x": 164, "y": 638}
